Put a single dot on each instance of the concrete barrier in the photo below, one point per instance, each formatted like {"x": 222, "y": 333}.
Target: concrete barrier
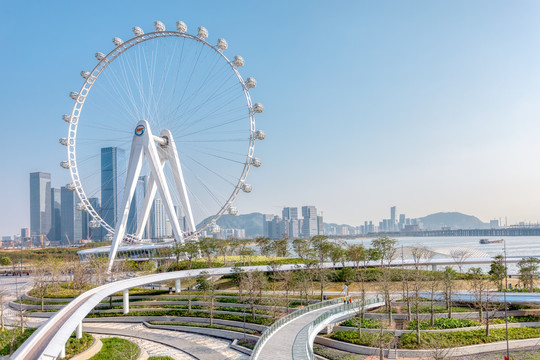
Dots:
{"x": 459, "y": 351}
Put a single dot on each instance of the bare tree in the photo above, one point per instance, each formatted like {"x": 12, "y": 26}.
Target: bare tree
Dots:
{"x": 448, "y": 278}
{"x": 287, "y": 279}
{"x": 41, "y": 281}
{"x": 478, "y": 284}
{"x": 459, "y": 256}
{"x": 81, "y": 276}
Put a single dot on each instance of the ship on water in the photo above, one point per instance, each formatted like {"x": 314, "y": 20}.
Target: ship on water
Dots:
{"x": 487, "y": 241}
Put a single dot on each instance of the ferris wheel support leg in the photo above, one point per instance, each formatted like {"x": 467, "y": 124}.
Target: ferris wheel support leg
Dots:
{"x": 154, "y": 161}
{"x": 172, "y": 155}
{"x": 134, "y": 169}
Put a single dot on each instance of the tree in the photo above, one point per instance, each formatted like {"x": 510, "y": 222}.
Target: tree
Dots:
{"x": 178, "y": 251}
{"x": 459, "y": 256}
{"x": 281, "y": 246}
{"x": 528, "y": 271}
{"x": 3, "y": 294}
{"x": 208, "y": 246}
{"x": 191, "y": 248}
{"x": 287, "y": 278}
{"x": 253, "y": 282}
{"x": 322, "y": 248}
{"x": 448, "y": 277}
{"x": 498, "y": 271}
{"x": 81, "y": 276}
{"x": 435, "y": 278}
{"x": 418, "y": 254}
{"x": 265, "y": 245}
{"x": 222, "y": 247}
{"x": 99, "y": 267}
{"x": 386, "y": 248}
{"x": 5, "y": 261}
{"x": 478, "y": 286}
{"x": 41, "y": 283}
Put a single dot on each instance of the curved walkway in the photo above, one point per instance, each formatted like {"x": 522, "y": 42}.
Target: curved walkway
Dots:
{"x": 280, "y": 345}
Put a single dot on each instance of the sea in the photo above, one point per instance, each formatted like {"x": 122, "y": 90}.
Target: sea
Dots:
{"x": 516, "y": 246}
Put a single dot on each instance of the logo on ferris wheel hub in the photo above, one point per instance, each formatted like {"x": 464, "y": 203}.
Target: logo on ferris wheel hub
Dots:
{"x": 139, "y": 130}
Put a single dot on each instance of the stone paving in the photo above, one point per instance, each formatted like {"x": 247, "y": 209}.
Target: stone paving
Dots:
{"x": 197, "y": 346}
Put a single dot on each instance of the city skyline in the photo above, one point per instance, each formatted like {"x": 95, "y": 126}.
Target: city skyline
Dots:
{"x": 435, "y": 114}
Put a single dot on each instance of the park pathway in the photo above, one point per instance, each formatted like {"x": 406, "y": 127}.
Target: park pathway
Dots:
{"x": 280, "y": 345}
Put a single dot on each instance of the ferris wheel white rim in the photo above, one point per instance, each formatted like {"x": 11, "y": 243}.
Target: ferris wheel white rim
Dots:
{"x": 85, "y": 90}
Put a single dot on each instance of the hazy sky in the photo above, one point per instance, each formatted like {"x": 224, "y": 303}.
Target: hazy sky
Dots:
{"x": 427, "y": 105}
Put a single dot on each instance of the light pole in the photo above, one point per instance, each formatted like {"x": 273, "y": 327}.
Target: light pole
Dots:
{"x": 505, "y": 306}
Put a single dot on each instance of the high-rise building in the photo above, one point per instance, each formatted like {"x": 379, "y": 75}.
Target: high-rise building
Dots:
{"x": 289, "y": 213}
{"x": 157, "y": 221}
{"x": 95, "y": 234}
{"x": 40, "y": 203}
{"x": 56, "y": 218}
{"x": 310, "y": 226}
{"x": 71, "y": 225}
{"x": 113, "y": 162}
{"x": 392, "y": 224}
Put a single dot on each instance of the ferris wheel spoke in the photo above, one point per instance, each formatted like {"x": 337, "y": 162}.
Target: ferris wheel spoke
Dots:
{"x": 183, "y": 88}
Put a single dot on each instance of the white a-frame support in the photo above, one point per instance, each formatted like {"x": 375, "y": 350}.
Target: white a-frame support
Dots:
{"x": 157, "y": 150}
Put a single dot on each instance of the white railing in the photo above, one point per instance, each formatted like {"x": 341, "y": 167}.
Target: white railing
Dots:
{"x": 285, "y": 320}
{"x": 304, "y": 348}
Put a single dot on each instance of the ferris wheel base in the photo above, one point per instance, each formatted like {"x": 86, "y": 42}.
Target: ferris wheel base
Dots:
{"x": 158, "y": 150}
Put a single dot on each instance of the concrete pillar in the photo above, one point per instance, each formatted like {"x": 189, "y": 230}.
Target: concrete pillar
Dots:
{"x": 126, "y": 301}
{"x": 62, "y": 352}
{"x": 433, "y": 267}
{"x": 78, "y": 332}
{"x": 177, "y": 286}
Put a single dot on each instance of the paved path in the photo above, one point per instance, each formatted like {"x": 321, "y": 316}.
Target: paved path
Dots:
{"x": 157, "y": 342}
{"x": 280, "y": 345}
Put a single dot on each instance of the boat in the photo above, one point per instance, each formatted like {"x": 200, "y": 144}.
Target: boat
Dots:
{"x": 487, "y": 241}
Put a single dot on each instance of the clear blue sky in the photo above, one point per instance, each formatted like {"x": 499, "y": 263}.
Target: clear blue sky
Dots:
{"x": 426, "y": 105}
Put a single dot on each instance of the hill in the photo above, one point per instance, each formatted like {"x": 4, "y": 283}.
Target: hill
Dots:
{"x": 454, "y": 220}
{"x": 253, "y": 223}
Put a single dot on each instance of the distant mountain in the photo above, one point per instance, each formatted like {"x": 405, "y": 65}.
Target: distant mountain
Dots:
{"x": 252, "y": 223}
{"x": 453, "y": 220}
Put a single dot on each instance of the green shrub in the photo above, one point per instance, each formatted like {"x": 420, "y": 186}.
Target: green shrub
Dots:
{"x": 465, "y": 337}
{"x": 366, "y": 323}
{"x": 184, "y": 313}
{"x": 366, "y": 338}
{"x": 76, "y": 346}
{"x": 442, "y": 323}
{"x": 5, "y": 339}
{"x": 334, "y": 354}
{"x": 115, "y": 349}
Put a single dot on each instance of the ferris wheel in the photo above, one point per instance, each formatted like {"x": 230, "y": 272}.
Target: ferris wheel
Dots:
{"x": 163, "y": 126}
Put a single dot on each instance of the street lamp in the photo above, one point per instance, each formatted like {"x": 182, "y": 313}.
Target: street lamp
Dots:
{"x": 505, "y": 305}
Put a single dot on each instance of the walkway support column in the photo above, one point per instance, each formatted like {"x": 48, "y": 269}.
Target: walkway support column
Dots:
{"x": 126, "y": 301}
{"x": 62, "y": 353}
{"x": 78, "y": 333}
{"x": 177, "y": 286}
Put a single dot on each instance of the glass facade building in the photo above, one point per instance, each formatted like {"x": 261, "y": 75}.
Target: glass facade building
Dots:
{"x": 56, "y": 218}
{"x": 113, "y": 164}
{"x": 40, "y": 203}
{"x": 71, "y": 225}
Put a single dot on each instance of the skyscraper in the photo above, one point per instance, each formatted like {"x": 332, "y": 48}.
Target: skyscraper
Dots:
{"x": 97, "y": 233}
{"x": 289, "y": 213}
{"x": 112, "y": 183}
{"x": 310, "y": 225}
{"x": 392, "y": 226}
{"x": 40, "y": 203}
{"x": 71, "y": 227}
{"x": 56, "y": 218}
